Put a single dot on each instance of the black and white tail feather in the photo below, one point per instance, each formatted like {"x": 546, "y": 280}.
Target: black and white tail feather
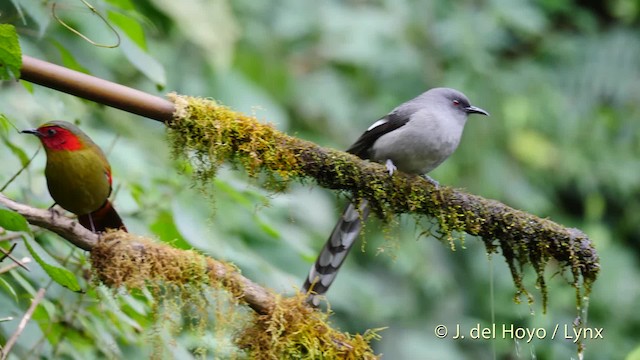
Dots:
{"x": 335, "y": 251}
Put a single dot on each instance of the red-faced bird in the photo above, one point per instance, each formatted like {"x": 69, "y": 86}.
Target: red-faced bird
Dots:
{"x": 78, "y": 175}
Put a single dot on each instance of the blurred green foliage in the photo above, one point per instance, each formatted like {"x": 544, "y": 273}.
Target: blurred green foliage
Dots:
{"x": 561, "y": 79}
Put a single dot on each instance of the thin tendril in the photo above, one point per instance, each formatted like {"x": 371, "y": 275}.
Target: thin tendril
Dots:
{"x": 93, "y": 9}
{"x": 20, "y": 171}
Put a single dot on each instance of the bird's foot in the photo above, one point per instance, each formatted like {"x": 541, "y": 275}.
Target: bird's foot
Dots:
{"x": 53, "y": 211}
{"x": 390, "y": 167}
{"x": 433, "y": 182}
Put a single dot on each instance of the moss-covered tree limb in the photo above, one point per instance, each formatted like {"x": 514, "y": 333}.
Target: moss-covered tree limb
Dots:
{"x": 209, "y": 134}
{"x": 278, "y": 328}
{"x": 281, "y": 328}
{"x": 52, "y": 221}
{"x": 257, "y": 297}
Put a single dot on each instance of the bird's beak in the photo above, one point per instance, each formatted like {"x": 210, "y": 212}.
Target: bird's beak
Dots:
{"x": 475, "y": 110}
{"x": 32, "y": 132}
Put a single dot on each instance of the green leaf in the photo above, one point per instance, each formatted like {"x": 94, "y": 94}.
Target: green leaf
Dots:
{"x": 5, "y": 125}
{"x": 237, "y": 196}
{"x": 144, "y": 62}
{"x": 122, "y": 4}
{"x": 268, "y": 228}
{"x": 27, "y": 85}
{"x": 36, "y": 11}
{"x": 58, "y": 274}
{"x": 165, "y": 228}
{"x": 68, "y": 60}
{"x": 10, "y": 55}
{"x": 16, "y": 4}
{"x": 12, "y": 221}
{"x": 634, "y": 355}
{"x": 9, "y": 289}
{"x": 17, "y": 151}
{"x": 131, "y": 27}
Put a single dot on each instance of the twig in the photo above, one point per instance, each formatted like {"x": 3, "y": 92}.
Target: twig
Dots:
{"x": 23, "y": 323}
{"x": 24, "y": 260}
{"x": 11, "y": 236}
{"x": 7, "y": 254}
{"x": 20, "y": 171}
{"x": 61, "y": 225}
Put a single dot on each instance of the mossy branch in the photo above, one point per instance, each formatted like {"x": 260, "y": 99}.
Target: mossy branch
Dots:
{"x": 255, "y": 296}
{"x": 209, "y": 134}
{"x": 278, "y": 327}
{"x": 282, "y": 328}
{"x": 123, "y": 259}
{"x": 52, "y": 221}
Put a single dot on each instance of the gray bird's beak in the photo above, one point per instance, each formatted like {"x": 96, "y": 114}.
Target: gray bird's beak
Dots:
{"x": 475, "y": 110}
{"x": 31, "y": 131}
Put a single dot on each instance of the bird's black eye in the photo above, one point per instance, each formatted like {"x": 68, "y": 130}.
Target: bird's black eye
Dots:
{"x": 456, "y": 102}
{"x": 51, "y": 132}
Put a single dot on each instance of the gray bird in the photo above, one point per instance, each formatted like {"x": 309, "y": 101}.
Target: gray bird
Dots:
{"x": 415, "y": 138}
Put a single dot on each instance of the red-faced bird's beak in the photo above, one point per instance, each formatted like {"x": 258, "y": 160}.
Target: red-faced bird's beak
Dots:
{"x": 32, "y": 132}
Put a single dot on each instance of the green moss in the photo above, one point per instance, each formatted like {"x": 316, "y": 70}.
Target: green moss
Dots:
{"x": 293, "y": 330}
{"x": 122, "y": 259}
{"x": 212, "y": 134}
{"x": 178, "y": 280}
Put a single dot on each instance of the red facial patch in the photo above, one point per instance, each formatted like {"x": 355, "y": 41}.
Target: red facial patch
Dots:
{"x": 58, "y": 138}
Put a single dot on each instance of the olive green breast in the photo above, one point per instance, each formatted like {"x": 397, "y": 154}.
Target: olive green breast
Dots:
{"x": 78, "y": 180}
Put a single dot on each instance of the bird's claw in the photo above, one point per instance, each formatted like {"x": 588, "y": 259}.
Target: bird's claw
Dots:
{"x": 390, "y": 167}
{"x": 53, "y": 211}
{"x": 433, "y": 182}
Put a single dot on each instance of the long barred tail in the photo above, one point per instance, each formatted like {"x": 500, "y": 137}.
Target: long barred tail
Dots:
{"x": 335, "y": 251}
{"x": 102, "y": 219}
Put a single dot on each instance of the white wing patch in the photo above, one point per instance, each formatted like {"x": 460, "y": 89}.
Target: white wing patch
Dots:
{"x": 377, "y": 123}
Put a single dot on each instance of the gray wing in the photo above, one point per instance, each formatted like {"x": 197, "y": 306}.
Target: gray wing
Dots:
{"x": 390, "y": 122}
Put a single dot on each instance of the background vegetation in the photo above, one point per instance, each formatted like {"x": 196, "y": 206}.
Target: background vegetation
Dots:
{"x": 561, "y": 79}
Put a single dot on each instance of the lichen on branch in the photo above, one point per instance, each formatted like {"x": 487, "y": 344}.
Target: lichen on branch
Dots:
{"x": 209, "y": 134}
